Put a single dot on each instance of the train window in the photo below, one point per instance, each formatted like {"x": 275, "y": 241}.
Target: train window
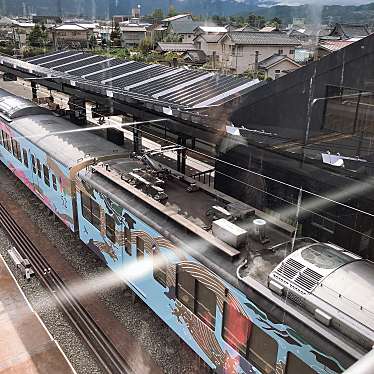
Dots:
{"x": 159, "y": 269}
{"x": 1, "y": 138}
{"x": 262, "y": 350}
{"x": 8, "y": 143}
{"x": 110, "y": 228}
{"x": 90, "y": 210}
{"x": 46, "y": 175}
{"x": 54, "y": 182}
{"x": 139, "y": 247}
{"x": 25, "y": 158}
{"x": 185, "y": 288}
{"x": 128, "y": 240}
{"x": 16, "y": 149}
{"x": 205, "y": 304}
{"x": 95, "y": 209}
{"x": 295, "y": 365}
{"x": 38, "y": 168}
{"x": 236, "y": 328}
{"x": 33, "y": 164}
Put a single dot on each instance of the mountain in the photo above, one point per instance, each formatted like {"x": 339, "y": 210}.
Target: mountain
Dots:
{"x": 205, "y": 8}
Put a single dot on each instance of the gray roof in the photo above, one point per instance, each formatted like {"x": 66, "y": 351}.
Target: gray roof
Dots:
{"x": 262, "y": 38}
{"x": 212, "y": 38}
{"x": 271, "y": 61}
{"x": 196, "y": 56}
{"x": 66, "y": 148}
{"x": 350, "y": 30}
{"x": 175, "y": 47}
{"x": 184, "y": 27}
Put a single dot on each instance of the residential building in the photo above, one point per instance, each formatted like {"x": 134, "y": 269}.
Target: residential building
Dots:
{"x": 21, "y": 32}
{"x": 6, "y": 28}
{"x": 174, "y": 47}
{"x": 194, "y": 57}
{"x": 348, "y": 31}
{"x": 71, "y": 35}
{"x": 210, "y": 45}
{"x": 210, "y": 30}
{"x": 185, "y": 30}
{"x": 269, "y": 29}
{"x": 132, "y": 36}
{"x": 242, "y": 51}
{"x": 276, "y": 66}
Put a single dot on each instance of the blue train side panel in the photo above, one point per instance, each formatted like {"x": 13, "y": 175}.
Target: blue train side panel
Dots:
{"x": 206, "y": 342}
{"x": 57, "y": 196}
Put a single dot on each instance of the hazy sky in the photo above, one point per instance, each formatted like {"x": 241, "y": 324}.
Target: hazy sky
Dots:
{"x": 324, "y": 2}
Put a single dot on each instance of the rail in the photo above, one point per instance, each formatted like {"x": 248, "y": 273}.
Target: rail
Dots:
{"x": 100, "y": 345}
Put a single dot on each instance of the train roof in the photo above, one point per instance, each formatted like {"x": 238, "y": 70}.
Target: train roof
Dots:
{"x": 51, "y": 134}
{"x": 12, "y": 107}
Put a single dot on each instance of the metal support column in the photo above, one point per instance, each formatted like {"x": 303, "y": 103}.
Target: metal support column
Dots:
{"x": 137, "y": 133}
{"x": 34, "y": 91}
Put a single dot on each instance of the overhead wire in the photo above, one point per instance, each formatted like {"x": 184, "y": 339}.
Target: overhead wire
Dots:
{"x": 242, "y": 168}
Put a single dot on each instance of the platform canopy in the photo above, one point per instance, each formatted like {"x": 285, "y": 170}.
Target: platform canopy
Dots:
{"x": 181, "y": 87}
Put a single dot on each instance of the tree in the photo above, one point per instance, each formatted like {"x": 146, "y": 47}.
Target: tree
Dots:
{"x": 92, "y": 42}
{"x": 172, "y": 38}
{"x": 158, "y": 14}
{"x": 145, "y": 45}
{"x": 115, "y": 37}
{"x": 38, "y": 36}
{"x": 172, "y": 11}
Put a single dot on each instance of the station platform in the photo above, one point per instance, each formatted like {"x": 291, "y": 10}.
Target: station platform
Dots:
{"x": 25, "y": 345}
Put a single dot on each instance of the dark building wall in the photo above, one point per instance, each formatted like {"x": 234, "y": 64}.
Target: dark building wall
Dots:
{"x": 284, "y": 102}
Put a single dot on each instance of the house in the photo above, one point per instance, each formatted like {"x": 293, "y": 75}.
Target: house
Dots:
{"x": 6, "y": 28}
{"x": 194, "y": 57}
{"x": 71, "y": 35}
{"x": 210, "y": 45}
{"x": 131, "y": 36}
{"x": 185, "y": 30}
{"x": 277, "y": 65}
{"x": 348, "y": 31}
{"x": 174, "y": 47}
{"x": 21, "y": 31}
{"x": 242, "y": 51}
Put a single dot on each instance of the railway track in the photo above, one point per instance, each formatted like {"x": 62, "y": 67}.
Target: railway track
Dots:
{"x": 100, "y": 345}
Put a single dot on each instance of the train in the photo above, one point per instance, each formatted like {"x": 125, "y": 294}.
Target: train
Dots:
{"x": 222, "y": 275}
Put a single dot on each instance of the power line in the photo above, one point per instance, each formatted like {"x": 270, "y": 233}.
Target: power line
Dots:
{"x": 247, "y": 170}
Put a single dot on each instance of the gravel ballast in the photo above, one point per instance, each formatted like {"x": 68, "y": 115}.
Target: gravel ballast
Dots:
{"x": 153, "y": 335}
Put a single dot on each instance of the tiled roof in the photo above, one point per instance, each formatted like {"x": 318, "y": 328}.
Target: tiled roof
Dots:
{"x": 274, "y": 59}
{"x": 212, "y": 38}
{"x": 351, "y": 31}
{"x": 334, "y": 45}
{"x": 175, "y": 47}
{"x": 262, "y": 38}
{"x": 197, "y": 56}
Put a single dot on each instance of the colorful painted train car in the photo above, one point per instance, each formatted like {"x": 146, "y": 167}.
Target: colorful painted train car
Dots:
{"x": 206, "y": 257}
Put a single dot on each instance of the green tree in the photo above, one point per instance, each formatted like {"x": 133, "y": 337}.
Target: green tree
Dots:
{"x": 172, "y": 11}
{"x": 115, "y": 37}
{"x": 158, "y": 14}
{"x": 172, "y": 38}
{"x": 38, "y": 36}
{"x": 146, "y": 45}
